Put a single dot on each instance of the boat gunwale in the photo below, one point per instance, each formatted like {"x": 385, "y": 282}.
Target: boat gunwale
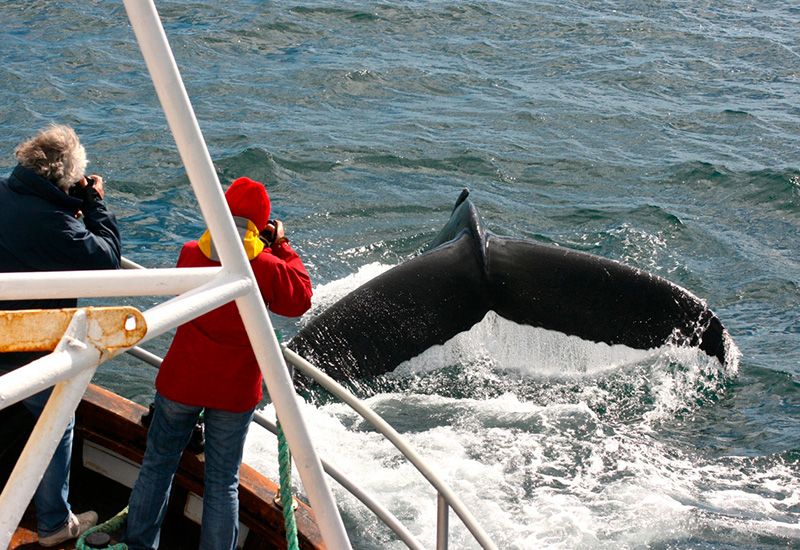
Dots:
{"x": 115, "y": 424}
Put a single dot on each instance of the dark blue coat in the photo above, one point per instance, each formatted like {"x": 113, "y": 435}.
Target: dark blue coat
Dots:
{"x": 39, "y": 231}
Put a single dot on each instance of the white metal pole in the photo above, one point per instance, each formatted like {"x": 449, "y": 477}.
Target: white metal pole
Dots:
{"x": 200, "y": 169}
{"x": 442, "y": 523}
{"x": 192, "y": 304}
{"x": 36, "y": 376}
{"x": 100, "y": 283}
{"x": 39, "y": 450}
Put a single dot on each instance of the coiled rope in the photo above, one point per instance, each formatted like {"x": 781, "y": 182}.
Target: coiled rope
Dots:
{"x": 114, "y": 524}
{"x": 286, "y": 501}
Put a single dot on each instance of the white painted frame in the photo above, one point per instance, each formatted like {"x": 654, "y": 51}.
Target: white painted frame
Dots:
{"x": 71, "y": 366}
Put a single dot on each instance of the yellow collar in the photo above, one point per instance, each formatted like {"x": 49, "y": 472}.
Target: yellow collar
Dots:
{"x": 247, "y": 231}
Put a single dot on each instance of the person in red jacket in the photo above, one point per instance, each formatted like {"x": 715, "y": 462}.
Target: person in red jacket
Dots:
{"x": 211, "y": 367}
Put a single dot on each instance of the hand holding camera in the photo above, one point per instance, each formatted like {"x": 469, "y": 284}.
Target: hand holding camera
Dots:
{"x": 83, "y": 188}
{"x": 273, "y": 233}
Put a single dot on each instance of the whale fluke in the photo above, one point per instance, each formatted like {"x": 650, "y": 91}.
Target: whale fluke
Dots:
{"x": 467, "y": 271}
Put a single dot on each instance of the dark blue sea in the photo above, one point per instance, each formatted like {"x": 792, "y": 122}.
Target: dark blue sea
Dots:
{"x": 661, "y": 134}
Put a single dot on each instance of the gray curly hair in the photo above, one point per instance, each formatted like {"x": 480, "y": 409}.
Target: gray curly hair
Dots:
{"x": 54, "y": 153}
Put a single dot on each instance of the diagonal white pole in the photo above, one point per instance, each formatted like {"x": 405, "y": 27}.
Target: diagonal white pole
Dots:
{"x": 200, "y": 169}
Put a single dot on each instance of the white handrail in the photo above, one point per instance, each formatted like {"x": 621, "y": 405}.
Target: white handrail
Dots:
{"x": 402, "y": 445}
{"x": 202, "y": 175}
{"x": 187, "y": 306}
{"x": 126, "y": 263}
{"x": 389, "y": 519}
{"x": 103, "y": 283}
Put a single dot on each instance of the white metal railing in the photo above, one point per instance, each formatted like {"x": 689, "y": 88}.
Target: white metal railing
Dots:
{"x": 77, "y": 356}
{"x": 389, "y": 519}
{"x": 446, "y": 498}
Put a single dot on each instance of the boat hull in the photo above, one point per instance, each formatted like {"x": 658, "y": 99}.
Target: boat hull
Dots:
{"x": 107, "y": 451}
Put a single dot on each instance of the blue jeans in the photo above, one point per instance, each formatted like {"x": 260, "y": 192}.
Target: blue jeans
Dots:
{"x": 50, "y": 498}
{"x": 170, "y": 430}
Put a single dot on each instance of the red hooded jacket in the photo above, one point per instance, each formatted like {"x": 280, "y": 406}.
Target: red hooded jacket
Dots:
{"x": 210, "y": 362}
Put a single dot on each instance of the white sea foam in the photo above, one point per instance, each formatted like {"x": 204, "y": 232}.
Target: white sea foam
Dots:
{"x": 537, "y": 476}
{"x": 529, "y": 351}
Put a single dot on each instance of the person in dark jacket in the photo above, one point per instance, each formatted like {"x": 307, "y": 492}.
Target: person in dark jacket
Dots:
{"x": 210, "y": 366}
{"x": 53, "y": 218}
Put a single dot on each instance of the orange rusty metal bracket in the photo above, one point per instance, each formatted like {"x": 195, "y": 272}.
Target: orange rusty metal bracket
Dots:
{"x": 110, "y": 328}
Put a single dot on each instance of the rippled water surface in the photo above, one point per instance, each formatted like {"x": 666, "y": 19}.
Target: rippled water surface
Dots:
{"x": 661, "y": 134}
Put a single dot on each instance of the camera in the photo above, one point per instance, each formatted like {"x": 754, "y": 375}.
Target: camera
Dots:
{"x": 268, "y": 234}
{"x": 79, "y": 191}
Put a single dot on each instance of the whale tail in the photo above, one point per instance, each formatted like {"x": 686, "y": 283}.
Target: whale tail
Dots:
{"x": 467, "y": 271}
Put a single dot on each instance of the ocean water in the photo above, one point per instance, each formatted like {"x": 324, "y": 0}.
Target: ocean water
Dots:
{"x": 661, "y": 134}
